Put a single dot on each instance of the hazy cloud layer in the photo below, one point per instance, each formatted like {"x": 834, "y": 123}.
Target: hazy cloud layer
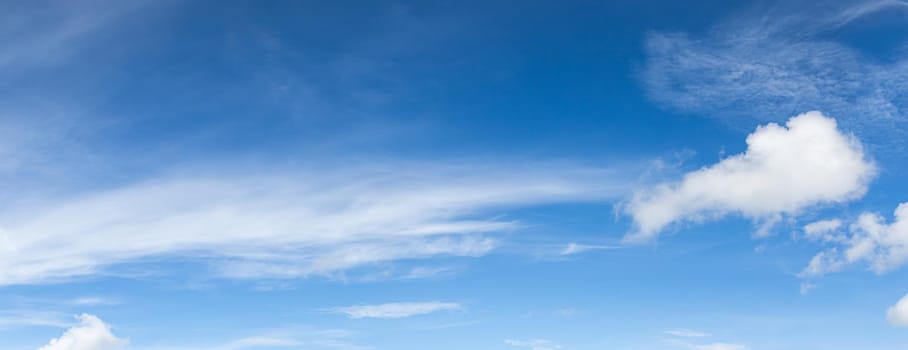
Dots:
{"x": 770, "y": 62}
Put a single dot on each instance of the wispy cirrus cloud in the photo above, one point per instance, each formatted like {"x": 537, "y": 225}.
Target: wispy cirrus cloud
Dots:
{"x": 32, "y": 318}
{"x": 577, "y": 248}
{"x": 291, "y": 338}
{"x": 714, "y": 346}
{"x": 686, "y": 333}
{"x": 534, "y": 344}
{"x": 683, "y": 339}
{"x": 396, "y": 310}
{"x": 50, "y": 34}
{"x": 769, "y": 62}
{"x": 92, "y": 333}
{"x": 293, "y": 224}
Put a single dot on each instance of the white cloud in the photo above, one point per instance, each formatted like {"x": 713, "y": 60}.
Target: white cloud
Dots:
{"x": 717, "y": 346}
{"x": 47, "y": 35}
{"x": 823, "y": 263}
{"x": 773, "y": 61}
{"x": 294, "y": 337}
{"x": 575, "y": 248}
{"x": 90, "y": 334}
{"x": 396, "y": 310}
{"x": 784, "y": 170}
{"x": 566, "y": 312}
{"x": 883, "y": 246}
{"x": 686, "y": 333}
{"x": 262, "y": 341}
{"x": 23, "y": 318}
{"x": 534, "y": 344}
{"x": 897, "y": 315}
{"x": 92, "y": 301}
{"x": 289, "y": 225}
{"x": 824, "y": 230}
{"x": 806, "y": 287}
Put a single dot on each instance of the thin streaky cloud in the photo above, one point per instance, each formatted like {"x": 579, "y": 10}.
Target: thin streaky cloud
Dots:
{"x": 396, "y": 310}
{"x": 762, "y": 65}
{"x": 577, "y": 248}
{"x": 10, "y": 319}
{"x": 534, "y": 344}
{"x": 686, "y": 333}
{"x": 282, "y": 225}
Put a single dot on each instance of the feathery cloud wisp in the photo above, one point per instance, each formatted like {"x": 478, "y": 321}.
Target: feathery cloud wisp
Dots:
{"x": 767, "y": 63}
{"x": 290, "y": 225}
{"x": 396, "y": 310}
{"x": 534, "y": 344}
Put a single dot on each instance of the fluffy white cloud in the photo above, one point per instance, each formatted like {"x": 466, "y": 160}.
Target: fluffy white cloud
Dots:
{"x": 784, "y": 170}
{"x": 897, "y": 315}
{"x": 534, "y": 344}
{"x": 319, "y": 221}
{"x": 883, "y": 246}
{"x": 396, "y": 310}
{"x": 90, "y": 334}
{"x": 824, "y": 230}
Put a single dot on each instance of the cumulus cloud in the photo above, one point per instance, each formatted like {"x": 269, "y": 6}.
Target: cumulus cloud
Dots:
{"x": 823, "y": 230}
{"x": 784, "y": 170}
{"x": 534, "y": 344}
{"x": 883, "y": 246}
{"x": 769, "y": 62}
{"x": 897, "y": 315}
{"x": 396, "y": 310}
{"x": 91, "y": 334}
{"x": 315, "y": 222}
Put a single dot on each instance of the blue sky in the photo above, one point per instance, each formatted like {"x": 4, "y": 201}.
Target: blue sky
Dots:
{"x": 617, "y": 175}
